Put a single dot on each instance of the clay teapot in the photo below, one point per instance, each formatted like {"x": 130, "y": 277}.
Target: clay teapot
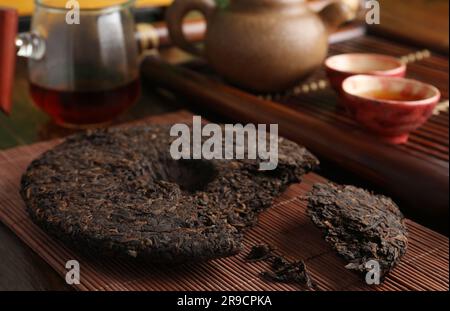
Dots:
{"x": 260, "y": 45}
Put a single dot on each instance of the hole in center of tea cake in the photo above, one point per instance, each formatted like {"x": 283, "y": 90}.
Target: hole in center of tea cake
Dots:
{"x": 190, "y": 175}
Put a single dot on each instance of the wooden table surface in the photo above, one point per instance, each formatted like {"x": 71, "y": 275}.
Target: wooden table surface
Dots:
{"x": 422, "y": 22}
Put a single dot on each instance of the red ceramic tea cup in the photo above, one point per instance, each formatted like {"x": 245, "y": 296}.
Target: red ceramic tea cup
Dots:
{"x": 340, "y": 67}
{"x": 389, "y": 107}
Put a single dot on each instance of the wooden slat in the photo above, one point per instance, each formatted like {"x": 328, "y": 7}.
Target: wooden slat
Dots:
{"x": 285, "y": 225}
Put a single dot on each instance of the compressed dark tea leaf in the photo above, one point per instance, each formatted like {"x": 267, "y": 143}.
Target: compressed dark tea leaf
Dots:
{"x": 119, "y": 192}
{"x": 260, "y": 252}
{"x": 288, "y": 272}
{"x": 279, "y": 263}
{"x": 283, "y": 270}
{"x": 359, "y": 225}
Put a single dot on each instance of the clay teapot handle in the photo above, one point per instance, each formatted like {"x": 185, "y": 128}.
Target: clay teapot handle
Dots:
{"x": 8, "y": 30}
{"x": 174, "y": 18}
{"x": 336, "y": 14}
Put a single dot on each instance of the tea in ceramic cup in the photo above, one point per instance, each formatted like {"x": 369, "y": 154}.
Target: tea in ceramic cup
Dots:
{"x": 389, "y": 107}
{"x": 340, "y": 67}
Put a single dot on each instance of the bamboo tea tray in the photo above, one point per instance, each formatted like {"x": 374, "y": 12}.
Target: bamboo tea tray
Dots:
{"x": 316, "y": 98}
{"x": 285, "y": 226}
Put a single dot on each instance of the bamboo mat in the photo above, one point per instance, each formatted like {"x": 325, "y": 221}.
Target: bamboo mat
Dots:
{"x": 285, "y": 226}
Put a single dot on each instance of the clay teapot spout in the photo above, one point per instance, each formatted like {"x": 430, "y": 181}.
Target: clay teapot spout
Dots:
{"x": 335, "y": 14}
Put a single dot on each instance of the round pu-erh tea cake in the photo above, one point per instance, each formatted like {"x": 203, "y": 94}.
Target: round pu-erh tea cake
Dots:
{"x": 119, "y": 192}
{"x": 360, "y": 226}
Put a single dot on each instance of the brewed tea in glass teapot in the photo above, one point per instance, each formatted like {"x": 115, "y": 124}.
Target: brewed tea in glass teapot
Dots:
{"x": 83, "y": 66}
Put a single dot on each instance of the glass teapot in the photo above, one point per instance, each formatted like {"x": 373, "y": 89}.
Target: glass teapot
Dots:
{"x": 83, "y": 64}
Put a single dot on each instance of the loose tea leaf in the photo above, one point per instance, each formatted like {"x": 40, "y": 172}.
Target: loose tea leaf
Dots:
{"x": 289, "y": 272}
{"x": 282, "y": 270}
{"x": 119, "y": 192}
{"x": 260, "y": 252}
{"x": 359, "y": 225}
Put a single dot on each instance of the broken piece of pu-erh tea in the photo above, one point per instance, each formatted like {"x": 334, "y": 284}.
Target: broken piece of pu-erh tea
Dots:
{"x": 362, "y": 227}
{"x": 289, "y": 272}
{"x": 260, "y": 252}
{"x": 282, "y": 270}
